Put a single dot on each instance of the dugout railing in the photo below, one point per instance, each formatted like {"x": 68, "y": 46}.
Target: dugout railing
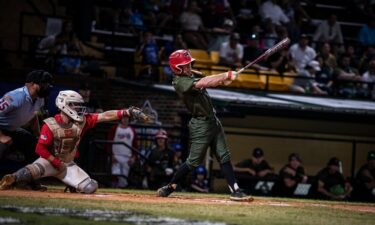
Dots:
{"x": 266, "y": 186}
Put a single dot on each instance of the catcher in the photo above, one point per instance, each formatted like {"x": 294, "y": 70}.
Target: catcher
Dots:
{"x": 205, "y": 128}
{"x": 58, "y": 141}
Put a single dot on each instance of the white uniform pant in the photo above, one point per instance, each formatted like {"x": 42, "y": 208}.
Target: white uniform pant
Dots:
{"x": 73, "y": 176}
{"x": 121, "y": 168}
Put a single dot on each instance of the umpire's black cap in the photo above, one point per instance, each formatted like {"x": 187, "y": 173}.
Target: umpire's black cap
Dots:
{"x": 39, "y": 76}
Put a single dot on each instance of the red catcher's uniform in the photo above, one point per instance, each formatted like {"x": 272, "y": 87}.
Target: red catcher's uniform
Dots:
{"x": 64, "y": 149}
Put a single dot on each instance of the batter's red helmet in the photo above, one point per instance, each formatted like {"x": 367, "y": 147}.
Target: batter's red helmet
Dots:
{"x": 179, "y": 58}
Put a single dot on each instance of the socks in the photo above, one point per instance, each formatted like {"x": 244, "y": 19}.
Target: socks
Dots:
{"x": 227, "y": 170}
{"x": 180, "y": 174}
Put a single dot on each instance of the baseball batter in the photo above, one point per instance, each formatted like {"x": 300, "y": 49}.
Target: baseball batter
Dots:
{"x": 205, "y": 128}
{"x": 58, "y": 141}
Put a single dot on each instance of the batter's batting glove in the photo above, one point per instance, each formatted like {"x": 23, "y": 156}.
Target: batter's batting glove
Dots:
{"x": 136, "y": 113}
{"x": 232, "y": 75}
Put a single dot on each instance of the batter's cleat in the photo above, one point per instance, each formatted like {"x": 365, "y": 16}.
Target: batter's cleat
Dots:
{"x": 165, "y": 191}
{"x": 239, "y": 195}
{"x": 7, "y": 182}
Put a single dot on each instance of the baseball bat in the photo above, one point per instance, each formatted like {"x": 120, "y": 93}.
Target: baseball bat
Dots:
{"x": 280, "y": 45}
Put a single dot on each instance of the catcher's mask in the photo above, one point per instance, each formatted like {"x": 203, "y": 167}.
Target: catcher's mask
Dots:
{"x": 72, "y": 104}
{"x": 179, "y": 58}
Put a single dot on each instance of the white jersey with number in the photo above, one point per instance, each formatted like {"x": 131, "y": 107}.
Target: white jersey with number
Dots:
{"x": 125, "y": 135}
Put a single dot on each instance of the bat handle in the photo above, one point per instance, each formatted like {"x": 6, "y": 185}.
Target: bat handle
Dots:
{"x": 241, "y": 70}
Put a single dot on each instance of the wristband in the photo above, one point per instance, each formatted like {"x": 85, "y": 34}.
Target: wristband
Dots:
{"x": 121, "y": 113}
{"x": 229, "y": 75}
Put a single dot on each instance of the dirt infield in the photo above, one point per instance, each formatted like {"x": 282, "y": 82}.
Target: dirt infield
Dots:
{"x": 148, "y": 198}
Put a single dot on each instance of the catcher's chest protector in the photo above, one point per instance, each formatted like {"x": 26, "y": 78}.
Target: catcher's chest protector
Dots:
{"x": 66, "y": 139}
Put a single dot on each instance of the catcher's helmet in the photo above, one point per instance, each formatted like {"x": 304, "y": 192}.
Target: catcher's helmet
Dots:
{"x": 179, "y": 58}
{"x": 71, "y": 103}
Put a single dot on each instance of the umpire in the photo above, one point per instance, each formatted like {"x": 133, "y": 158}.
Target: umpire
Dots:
{"x": 18, "y": 108}
{"x": 205, "y": 128}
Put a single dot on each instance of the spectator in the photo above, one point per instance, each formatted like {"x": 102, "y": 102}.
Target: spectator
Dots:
{"x": 222, "y": 34}
{"x": 270, "y": 36}
{"x": 269, "y": 9}
{"x": 191, "y": 23}
{"x": 329, "y": 31}
{"x": 256, "y": 166}
{"x": 92, "y": 105}
{"x": 148, "y": 51}
{"x": 18, "y": 108}
{"x": 369, "y": 76}
{"x": 279, "y": 62}
{"x": 291, "y": 174}
{"x": 367, "y": 34}
{"x": 365, "y": 179}
{"x": 231, "y": 52}
{"x": 70, "y": 63}
{"x": 122, "y": 155}
{"x": 67, "y": 39}
{"x": 328, "y": 64}
{"x": 212, "y": 17}
{"x": 301, "y": 53}
{"x": 200, "y": 182}
{"x": 177, "y": 161}
{"x": 307, "y": 84}
{"x": 160, "y": 163}
{"x": 331, "y": 183}
{"x": 345, "y": 75}
{"x": 252, "y": 51}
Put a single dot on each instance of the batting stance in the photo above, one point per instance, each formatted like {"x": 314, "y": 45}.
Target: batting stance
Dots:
{"x": 205, "y": 128}
{"x": 58, "y": 141}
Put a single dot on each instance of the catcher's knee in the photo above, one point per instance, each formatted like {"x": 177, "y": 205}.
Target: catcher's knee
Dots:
{"x": 88, "y": 186}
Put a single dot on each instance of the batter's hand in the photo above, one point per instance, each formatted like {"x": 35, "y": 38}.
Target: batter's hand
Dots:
{"x": 232, "y": 75}
{"x": 136, "y": 113}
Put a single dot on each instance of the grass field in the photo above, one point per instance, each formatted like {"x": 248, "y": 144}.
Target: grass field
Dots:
{"x": 110, "y": 206}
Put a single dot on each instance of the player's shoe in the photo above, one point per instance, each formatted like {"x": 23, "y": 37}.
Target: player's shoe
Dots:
{"x": 35, "y": 186}
{"x": 165, "y": 191}
{"x": 239, "y": 195}
{"x": 7, "y": 182}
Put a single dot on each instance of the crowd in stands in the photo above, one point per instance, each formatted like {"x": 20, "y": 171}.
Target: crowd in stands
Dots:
{"x": 238, "y": 31}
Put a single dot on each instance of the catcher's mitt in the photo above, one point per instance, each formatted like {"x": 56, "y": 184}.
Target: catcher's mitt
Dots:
{"x": 136, "y": 113}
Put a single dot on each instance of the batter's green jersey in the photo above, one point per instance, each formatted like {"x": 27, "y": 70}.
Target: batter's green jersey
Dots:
{"x": 197, "y": 101}
{"x": 205, "y": 129}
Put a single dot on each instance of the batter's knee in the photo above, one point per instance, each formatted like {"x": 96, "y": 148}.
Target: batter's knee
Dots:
{"x": 88, "y": 186}
{"x": 223, "y": 158}
{"x": 192, "y": 164}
